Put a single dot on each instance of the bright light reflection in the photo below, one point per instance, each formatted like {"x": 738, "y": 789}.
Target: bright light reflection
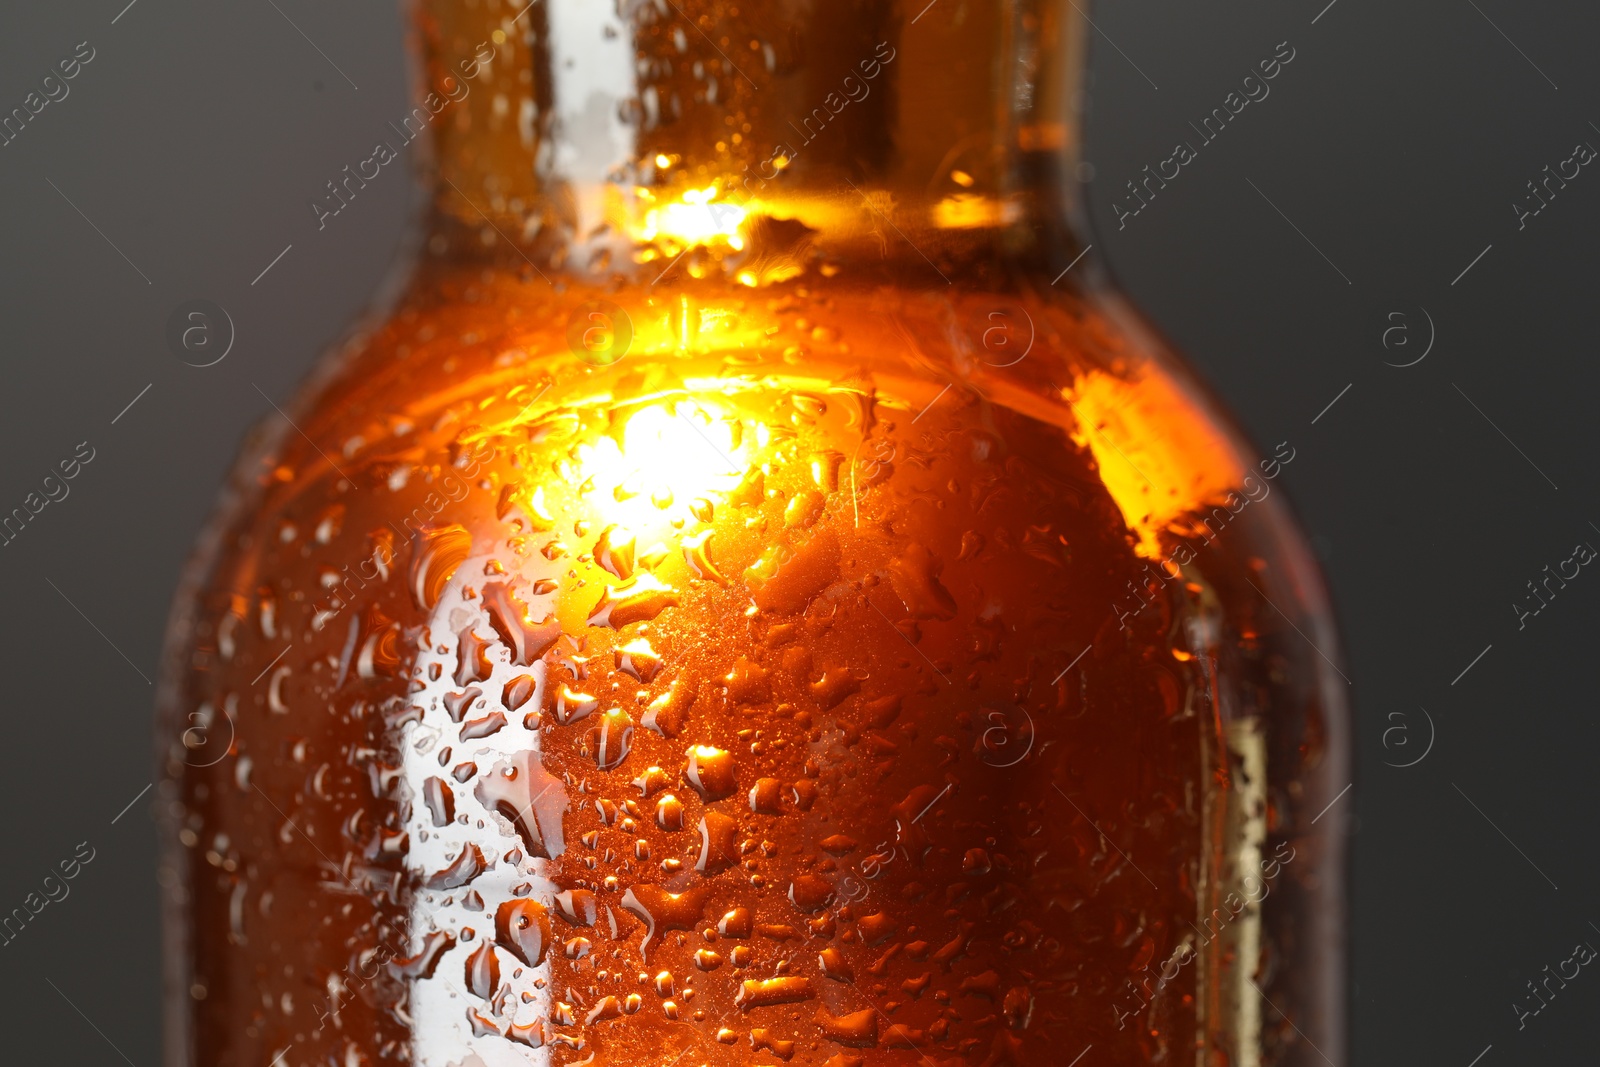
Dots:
{"x": 671, "y": 454}
{"x": 696, "y": 219}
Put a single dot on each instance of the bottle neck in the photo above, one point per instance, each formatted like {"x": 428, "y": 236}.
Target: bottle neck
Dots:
{"x": 607, "y": 144}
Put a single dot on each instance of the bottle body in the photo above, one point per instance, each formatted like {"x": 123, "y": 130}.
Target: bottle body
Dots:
{"x": 779, "y": 646}
{"x": 833, "y": 696}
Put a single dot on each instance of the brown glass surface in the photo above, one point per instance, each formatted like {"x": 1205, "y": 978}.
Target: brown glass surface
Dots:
{"x": 832, "y": 679}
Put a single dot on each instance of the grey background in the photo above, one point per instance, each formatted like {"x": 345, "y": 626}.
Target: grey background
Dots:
{"x": 1395, "y": 141}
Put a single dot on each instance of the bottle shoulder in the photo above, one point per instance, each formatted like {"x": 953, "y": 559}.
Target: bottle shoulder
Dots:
{"x": 926, "y": 407}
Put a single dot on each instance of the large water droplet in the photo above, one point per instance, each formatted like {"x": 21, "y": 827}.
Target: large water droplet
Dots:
{"x": 639, "y": 600}
{"x": 522, "y": 928}
{"x": 435, "y": 555}
{"x": 614, "y": 551}
{"x": 662, "y": 910}
{"x": 710, "y": 771}
{"x": 526, "y": 639}
{"x": 520, "y": 789}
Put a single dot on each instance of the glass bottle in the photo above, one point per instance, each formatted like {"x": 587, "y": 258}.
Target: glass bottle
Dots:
{"x": 759, "y": 596}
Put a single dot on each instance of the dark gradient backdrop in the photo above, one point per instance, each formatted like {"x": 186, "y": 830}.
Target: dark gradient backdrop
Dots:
{"x": 1385, "y": 162}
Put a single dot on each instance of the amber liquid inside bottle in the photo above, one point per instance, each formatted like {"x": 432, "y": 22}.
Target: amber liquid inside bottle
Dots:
{"x": 720, "y": 620}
